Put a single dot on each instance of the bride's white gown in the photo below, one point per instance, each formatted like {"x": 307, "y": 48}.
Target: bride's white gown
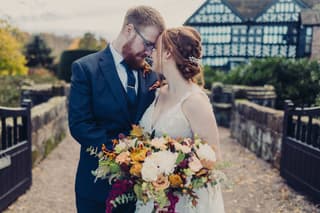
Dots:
{"x": 174, "y": 123}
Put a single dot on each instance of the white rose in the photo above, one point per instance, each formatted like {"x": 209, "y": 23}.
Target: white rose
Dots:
{"x": 149, "y": 171}
{"x": 206, "y": 152}
{"x": 166, "y": 161}
{"x": 158, "y": 163}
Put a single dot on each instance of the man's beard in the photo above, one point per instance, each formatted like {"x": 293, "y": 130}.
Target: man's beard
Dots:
{"x": 134, "y": 60}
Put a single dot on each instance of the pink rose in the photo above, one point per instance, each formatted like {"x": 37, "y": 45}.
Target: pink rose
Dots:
{"x": 123, "y": 158}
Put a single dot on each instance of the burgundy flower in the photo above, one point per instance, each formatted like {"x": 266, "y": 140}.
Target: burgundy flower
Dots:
{"x": 183, "y": 164}
{"x": 125, "y": 167}
{"x": 119, "y": 187}
{"x": 173, "y": 201}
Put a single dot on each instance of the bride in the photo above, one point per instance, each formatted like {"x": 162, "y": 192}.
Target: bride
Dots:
{"x": 181, "y": 108}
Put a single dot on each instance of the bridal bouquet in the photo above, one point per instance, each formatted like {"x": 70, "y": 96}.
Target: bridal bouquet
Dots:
{"x": 149, "y": 168}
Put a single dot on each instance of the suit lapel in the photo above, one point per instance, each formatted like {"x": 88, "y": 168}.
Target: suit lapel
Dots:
{"x": 108, "y": 69}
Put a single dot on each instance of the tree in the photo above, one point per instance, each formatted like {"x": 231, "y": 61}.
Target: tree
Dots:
{"x": 20, "y": 36}
{"x": 12, "y": 61}
{"x": 102, "y": 43}
{"x": 89, "y": 42}
{"x": 38, "y": 53}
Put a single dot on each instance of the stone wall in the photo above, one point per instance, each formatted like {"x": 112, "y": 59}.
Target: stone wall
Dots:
{"x": 41, "y": 93}
{"x": 223, "y": 97}
{"x": 49, "y": 126}
{"x": 315, "y": 49}
{"x": 259, "y": 129}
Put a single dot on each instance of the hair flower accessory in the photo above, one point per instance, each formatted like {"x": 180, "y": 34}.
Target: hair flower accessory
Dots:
{"x": 194, "y": 59}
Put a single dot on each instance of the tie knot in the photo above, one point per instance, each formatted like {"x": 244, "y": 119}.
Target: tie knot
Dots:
{"x": 124, "y": 63}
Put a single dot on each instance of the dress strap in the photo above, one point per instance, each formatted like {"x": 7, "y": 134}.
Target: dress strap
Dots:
{"x": 195, "y": 90}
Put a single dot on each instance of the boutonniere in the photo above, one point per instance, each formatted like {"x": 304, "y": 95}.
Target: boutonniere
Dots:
{"x": 155, "y": 85}
{"x": 146, "y": 68}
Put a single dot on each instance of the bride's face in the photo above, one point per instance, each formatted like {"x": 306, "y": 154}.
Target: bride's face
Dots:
{"x": 158, "y": 56}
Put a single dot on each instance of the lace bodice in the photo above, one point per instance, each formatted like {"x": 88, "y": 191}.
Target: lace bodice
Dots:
{"x": 173, "y": 122}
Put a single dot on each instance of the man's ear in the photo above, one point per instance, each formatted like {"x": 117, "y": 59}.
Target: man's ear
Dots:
{"x": 128, "y": 30}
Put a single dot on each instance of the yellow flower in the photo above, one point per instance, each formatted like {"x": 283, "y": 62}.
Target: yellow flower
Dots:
{"x": 175, "y": 180}
{"x": 136, "y": 169}
{"x": 110, "y": 154}
{"x": 136, "y": 131}
{"x": 138, "y": 154}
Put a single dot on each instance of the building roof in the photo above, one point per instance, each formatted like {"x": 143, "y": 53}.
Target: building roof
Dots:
{"x": 311, "y": 3}
{"x": 250, "y": 9}
{"x": 310, "y": 17}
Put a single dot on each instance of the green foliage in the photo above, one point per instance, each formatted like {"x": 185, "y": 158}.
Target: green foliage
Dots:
{"x": 211, "y": 76}
{"x": 42, "y": 75}
{"x": 10, "y": 86}
{"x": 66, "y": 60}
{"x": 298, "y": 80}
{"x": 20, "y": 36}
{"x": 10, "y": 90}
{"x": 38, "y": 53}
{"x": 12, "y": 62}
{"x": 89, "y": 42}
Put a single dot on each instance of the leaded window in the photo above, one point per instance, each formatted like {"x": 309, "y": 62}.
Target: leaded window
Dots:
{"x": 282, "y": 11}
{"x": 228, "y": 39}
{"x": 308, "y": 40}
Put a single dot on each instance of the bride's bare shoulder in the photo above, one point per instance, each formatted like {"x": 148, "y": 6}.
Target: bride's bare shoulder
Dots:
{"x": 196, "y": 102}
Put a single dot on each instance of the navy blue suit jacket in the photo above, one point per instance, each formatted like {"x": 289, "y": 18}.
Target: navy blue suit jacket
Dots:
{"x": 98, "y": 112}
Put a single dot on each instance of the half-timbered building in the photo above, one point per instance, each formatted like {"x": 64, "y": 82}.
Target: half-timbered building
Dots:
{"x": 234, "y": 31}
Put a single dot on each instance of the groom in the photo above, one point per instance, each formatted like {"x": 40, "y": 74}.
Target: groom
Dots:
{"x": 109, "y": 93}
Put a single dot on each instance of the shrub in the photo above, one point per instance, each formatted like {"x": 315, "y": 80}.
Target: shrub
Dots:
{"x": 67, "y": 58}
{"x": 298, "y": 80}
{"x": 10, "y": 86}
{"x": 211, "y": 76}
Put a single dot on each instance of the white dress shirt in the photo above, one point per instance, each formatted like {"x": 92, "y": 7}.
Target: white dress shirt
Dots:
{"x": 121, "y": 70}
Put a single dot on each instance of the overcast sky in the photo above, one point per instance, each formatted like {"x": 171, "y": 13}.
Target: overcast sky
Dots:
{"x": 74, "y": 17}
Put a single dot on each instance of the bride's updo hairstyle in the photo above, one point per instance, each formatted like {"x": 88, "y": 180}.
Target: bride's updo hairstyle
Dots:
{"x": 185, "y": 45}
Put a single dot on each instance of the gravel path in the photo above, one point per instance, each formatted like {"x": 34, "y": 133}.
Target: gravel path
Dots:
{"x": 256, "y": 186}
{"x": 52, "y": 190}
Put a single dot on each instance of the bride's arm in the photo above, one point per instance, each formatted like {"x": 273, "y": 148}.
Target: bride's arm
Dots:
{"x": 199, "y": 113}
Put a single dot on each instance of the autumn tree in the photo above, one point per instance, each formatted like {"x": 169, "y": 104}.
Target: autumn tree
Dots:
{"x": 12, "y": 61}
